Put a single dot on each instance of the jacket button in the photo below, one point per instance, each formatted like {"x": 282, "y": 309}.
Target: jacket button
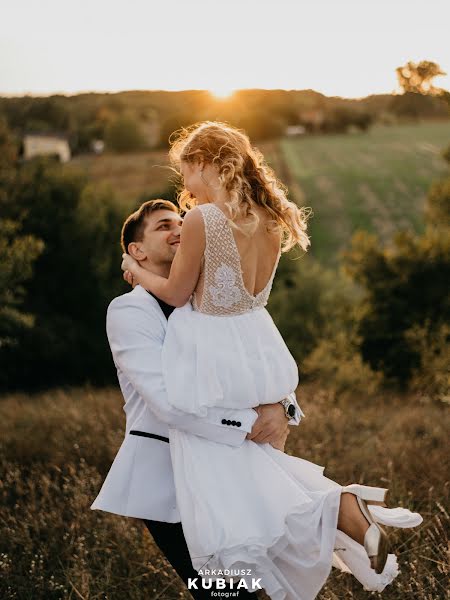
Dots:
{"x": 224, "y": 421}
{"x": 228, "y": 422}
{"x": 238, "y": 423}
{"x": 233, "y": 422}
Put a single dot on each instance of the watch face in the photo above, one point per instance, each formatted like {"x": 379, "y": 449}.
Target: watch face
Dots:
{"x": 291, "y": 410}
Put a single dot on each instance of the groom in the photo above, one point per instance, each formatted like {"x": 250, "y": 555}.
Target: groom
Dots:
{"x": 140, "y": 482}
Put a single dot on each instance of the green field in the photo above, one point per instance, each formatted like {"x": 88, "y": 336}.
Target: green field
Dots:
{"x": 376, "y": 180}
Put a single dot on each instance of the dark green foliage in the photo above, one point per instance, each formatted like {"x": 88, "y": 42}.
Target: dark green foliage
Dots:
{"x": 123, "y": 135}
{"x": 73, "y": 279}
{"x": 309, "y": 302}
{"x": 437, "y": 209}
{"x": 17, "y": 256}
{"x": 413, "y": 105}
{"x": 121, "y": 118}
{"x": 18, "y": 252}
{"x": 406, "y": 285}
{"x": 340, "y": 118}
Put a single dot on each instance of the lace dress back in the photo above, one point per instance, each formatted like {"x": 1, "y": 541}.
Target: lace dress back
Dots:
{"x": 223, "y": 289}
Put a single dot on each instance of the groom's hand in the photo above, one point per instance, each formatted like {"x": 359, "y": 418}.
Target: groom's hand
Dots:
{"x": 271, "y": 426}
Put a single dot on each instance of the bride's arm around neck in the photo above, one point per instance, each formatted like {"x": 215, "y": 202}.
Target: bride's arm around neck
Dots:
{"x": 185, "y": 270}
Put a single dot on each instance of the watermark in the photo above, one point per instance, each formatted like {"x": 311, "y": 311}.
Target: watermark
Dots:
{"x": 230, "y": 580}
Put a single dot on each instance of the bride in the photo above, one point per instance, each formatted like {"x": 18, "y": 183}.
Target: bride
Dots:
{"x": 250, "y": 508}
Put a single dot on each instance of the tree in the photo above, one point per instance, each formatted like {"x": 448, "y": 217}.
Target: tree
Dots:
{"x": 74, "y": 276}
{"x": 413, "y": 105}
{"x": 405, "y": 289}
{"x": 18, "y": 254}
{"x": 123, "y": 135}
{"x": 418, "y": 77}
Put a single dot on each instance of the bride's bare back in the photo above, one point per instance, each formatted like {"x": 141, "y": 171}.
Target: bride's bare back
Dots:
{"x": 237, "y": 270}
{"x": 258, "y": 254}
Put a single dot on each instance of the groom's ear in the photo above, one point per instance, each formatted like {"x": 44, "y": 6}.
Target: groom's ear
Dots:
{"x": 135, "y": 251}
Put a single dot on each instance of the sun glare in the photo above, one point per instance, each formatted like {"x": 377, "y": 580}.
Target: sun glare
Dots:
{"x": 222, "y": 92}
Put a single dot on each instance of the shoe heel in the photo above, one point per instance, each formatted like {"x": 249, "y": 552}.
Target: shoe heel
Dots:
{"x": 367, "y": 492}
{"x": 376, "y": 546}
{"x": 375, "y": 540}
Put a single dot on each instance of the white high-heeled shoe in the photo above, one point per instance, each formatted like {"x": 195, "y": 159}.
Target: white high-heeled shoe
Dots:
{"x": 375, "y": 540}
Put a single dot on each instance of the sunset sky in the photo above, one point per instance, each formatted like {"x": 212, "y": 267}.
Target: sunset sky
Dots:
{"x": 339, "y": 47}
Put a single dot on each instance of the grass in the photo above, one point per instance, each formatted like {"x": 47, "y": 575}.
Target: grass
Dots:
{"x": 130, "y": 176}
{"x": 376, "y": 180}
{"x": 56, "y": 448}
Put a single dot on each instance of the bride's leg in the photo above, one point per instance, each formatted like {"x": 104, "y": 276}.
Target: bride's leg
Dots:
{"x": 351, "y": 520}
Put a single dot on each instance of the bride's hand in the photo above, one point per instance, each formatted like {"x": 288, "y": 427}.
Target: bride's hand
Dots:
{"x": 128, "y": 277}
{"x": 129, "y": 264}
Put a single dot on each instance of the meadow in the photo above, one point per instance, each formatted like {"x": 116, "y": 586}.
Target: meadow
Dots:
{"x": 375, "y": 181}
{"x": 56, "y": 448}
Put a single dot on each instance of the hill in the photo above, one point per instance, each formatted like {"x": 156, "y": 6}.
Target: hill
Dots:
{"x": 375, "y": 181}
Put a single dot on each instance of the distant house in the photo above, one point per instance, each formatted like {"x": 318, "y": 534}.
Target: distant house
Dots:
{"x": 41, "y": 144}
{"x": 292, "y": 130}
{"x": 151, "y": 130}
{"x": 97, "y": 146}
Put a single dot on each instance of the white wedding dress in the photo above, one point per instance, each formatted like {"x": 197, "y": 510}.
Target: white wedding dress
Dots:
{"x": 251, "y": 507}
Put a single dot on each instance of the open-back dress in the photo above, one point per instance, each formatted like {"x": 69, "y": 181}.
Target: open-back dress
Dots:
{"x": 251, "y": 508}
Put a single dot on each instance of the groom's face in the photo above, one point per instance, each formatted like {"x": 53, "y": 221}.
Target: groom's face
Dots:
{"x": 161, "y": 236}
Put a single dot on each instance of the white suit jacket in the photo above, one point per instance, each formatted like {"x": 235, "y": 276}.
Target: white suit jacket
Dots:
{"x": 140, "y": 482}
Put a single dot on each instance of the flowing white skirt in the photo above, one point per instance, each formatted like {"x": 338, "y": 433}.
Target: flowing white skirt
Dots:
{"x": 254, "y": 507}
{"x": 237, "y": 361}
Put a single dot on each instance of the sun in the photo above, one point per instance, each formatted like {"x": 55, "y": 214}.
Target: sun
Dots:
{"x": 222, "y": 92}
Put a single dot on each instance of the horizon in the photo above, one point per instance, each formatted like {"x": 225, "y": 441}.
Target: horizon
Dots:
{"x": 217, "y": 96}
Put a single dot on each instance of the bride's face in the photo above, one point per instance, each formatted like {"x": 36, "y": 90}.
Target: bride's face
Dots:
{"x": 191, "y": 173}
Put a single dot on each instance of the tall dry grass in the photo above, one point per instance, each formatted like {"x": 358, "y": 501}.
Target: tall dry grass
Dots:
{"x": 57, "y": 447}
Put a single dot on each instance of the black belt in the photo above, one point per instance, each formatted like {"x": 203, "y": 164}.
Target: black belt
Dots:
{"x": 149, "y": 435}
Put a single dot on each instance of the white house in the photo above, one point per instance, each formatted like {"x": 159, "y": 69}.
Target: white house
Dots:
{"x": 39, "y": 144}
{"x": 97, "y": 146}
{"x": 292, "y": 130}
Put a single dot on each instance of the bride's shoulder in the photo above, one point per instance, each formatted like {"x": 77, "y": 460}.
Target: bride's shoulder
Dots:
{"x": 193, "y": 226}
{"x": 193, "y": 217}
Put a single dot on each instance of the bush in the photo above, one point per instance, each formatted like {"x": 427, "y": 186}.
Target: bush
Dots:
{"x": 310, "y": 303}
{"x": 337, "y": 363}
{"x": 73, "y": 279}
{"x": 124, "y": 135}
{"x": 340, "y": 119}
{"x": 431, "y": 380}
{"x": 406, "y": 287}
{"x": 17, "y": 256}
{"x": 412, "y": 105}
{"x": 437, "y": 208}
{"x": 314, "y": 308}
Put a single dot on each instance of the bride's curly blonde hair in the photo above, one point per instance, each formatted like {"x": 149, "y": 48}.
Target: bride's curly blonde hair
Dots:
{"x": 246, "y": 176}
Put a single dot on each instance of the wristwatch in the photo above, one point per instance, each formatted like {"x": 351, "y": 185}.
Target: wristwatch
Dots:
{"x": 289, "y": 408}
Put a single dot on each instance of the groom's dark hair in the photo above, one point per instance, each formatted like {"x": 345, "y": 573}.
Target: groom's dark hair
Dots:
{"x": 133, "y": 228}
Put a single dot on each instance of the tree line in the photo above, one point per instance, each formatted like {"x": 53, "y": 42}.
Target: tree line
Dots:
{"x": 136, "y": 120}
